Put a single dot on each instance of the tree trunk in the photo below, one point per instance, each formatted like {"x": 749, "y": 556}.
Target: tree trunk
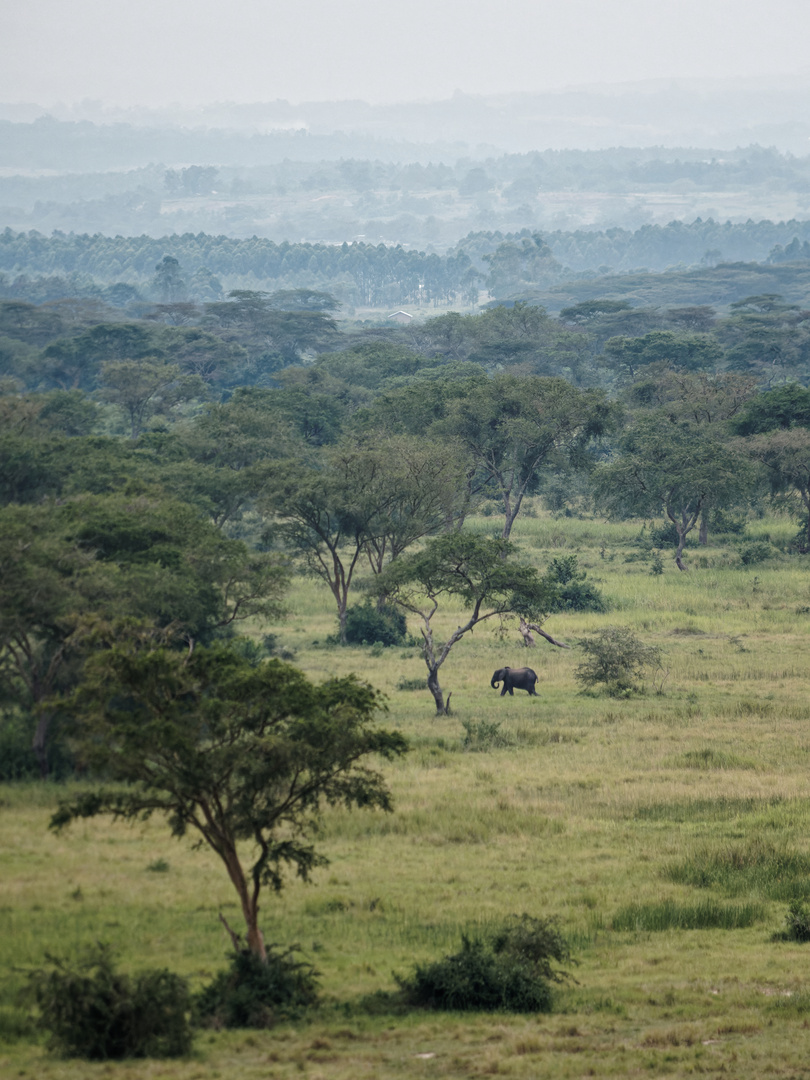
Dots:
{"x": 509, "y": 521}
{"x": 436, "y": 690}
{"x": 40, "y": 743}
{"x": 248, "y": 903}
{"x": 255, "y": 941}
{"x": 510, "y": 513}
{"x": 679, "y": 551}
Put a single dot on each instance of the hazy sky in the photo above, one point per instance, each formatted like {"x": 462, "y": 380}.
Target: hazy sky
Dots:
{"x": 155, "y": 52}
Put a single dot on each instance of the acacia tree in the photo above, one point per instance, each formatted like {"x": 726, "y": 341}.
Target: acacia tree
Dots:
{"x": 142, "y": 557}
{"x": 514, "y": 427}
{"x": 785, "y": 454}
{"x": 706, "y": 403}
{"x": 480, "y": 571}
{"x": 243, "y": 756}
{"x": 327, "y": 516}
{"x": 663, "y": 466}
{"x": 367, "y": 499}
{"x": 141, "y": 388}
{"x": 420, "y": 487}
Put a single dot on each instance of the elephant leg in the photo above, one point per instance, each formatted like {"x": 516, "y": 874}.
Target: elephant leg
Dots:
{"x": 503, "y": 691}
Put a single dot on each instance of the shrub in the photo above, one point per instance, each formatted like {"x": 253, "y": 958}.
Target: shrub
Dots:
{"x": 756, "y": 552}
{"x": 568, "y": 589}
{"x": 663, "y": 535}
{"x": 617, "y": 660}
{"x": 798, "y": 921}
{"x": 17, "y": 758}
{"x": 92, "y": 1011}
{"x": 253, "y": 994}
{"x": 511, "y": 971}
{"x": 727, "y": 523}
{"x": 366, "y": 624}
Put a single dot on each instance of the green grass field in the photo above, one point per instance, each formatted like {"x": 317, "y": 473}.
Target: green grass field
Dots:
{"x": 667, "y": 832}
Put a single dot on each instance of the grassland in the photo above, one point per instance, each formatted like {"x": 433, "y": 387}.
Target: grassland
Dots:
{"x": 667, "y": 832}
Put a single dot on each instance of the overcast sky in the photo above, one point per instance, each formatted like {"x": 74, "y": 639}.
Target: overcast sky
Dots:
{"x": 156, "y": 52}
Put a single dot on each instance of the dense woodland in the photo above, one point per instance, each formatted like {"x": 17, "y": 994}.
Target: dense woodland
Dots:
{"x": 174, "y": 462}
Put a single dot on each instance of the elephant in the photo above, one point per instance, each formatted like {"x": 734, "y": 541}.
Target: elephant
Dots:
{"x": 521, "y": 677}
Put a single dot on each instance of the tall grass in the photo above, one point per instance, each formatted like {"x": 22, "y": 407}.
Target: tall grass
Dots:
{"x": 582, "y": 811}
{"x": 670, "y": 915}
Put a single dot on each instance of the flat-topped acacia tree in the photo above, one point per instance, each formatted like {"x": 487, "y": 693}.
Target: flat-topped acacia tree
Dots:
{"x": 244, "y": 755}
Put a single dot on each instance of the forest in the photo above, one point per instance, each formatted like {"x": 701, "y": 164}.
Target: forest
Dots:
{"x": 260, "y": 549}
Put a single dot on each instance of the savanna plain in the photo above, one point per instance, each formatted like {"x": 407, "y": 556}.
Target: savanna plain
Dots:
{"x": 667, "y": 832}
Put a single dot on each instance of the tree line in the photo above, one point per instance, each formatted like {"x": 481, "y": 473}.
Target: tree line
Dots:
{"x": 121, "y": 270}
{"x": 172, "y": 477}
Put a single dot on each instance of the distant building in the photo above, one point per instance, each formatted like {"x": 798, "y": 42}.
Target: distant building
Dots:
{"x": 401, "y": 317}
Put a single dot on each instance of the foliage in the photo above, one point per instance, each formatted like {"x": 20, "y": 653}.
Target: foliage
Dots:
{"x": 511, "y": 971}
{"x": 757, "y": 551}
{"x": 367, "y": 624}
{"x": 226, "y": 748}
{"x": 568, "y": 589}
{"x": 253, "y": 993}
{"x": 798, "y": 921}
{"x": 676, "y": 465}
{"x": 783, "y": 407}
{"x": 663, "y": 535}
{"x": 727, "y": 523}
{"x": 18, "y": 760}
{"x": 516, "y": 428}
{"x": 785, "y": 456}
{"x": 616, "y": 660}
{"x": 93, "y": 1011}
{"x": 366, "y": 498}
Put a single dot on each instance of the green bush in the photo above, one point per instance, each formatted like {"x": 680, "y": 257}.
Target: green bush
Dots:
{"x": 616, "y": 659}
{"x": 727, "y": 523}
{"x": 511, "y": 971}
{"x": 17, "y": 758}
{"x": 366, "y": 624}
{"x": 254, "y": 994}
{"x": 663, "y": 535}
{"x": 92, "y": 1011}
{"x": 756, "y": 552}
{"x": 568, "y": 589}
{"x": 798, "y": 921}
